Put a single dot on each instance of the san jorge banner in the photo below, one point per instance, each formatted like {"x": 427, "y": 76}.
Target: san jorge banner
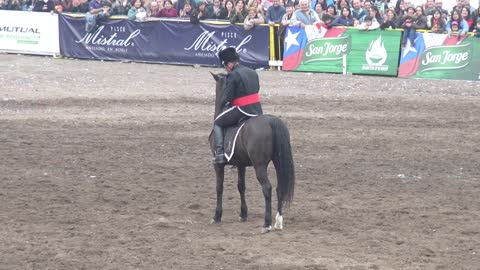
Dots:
{"x": 365, "y": 52}
{"x": 166, "y": 41}
{"x": 438, "y": 56}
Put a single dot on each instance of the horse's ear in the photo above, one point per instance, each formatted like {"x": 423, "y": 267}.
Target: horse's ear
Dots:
{"x": 215, "y": 76}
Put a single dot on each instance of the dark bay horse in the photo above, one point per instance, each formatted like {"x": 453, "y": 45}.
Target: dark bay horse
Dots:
{"x": 262, "y": 139}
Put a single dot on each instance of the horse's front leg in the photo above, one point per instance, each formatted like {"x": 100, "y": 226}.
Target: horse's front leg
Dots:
{"x": 241, "y": 190}
{"x": 220, "y": 173}
{"x": 262, "y": 176}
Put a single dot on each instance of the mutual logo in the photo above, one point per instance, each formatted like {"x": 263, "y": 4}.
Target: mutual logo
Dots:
{"x": 208, "y": 43}
{"x": 446, "y": 57}
{"x": 22, "y": 35}
{"x": 19, "y": 29}
{"x": 376, "y": 56}
{"x": 327, "y": 49}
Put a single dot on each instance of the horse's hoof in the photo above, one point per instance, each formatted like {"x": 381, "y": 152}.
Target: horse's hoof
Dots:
{"x": 266, "y": 229}
{"x": 278, "y": 223}
{"x": 243, "y": 219}
{"x": 213, "y": 221}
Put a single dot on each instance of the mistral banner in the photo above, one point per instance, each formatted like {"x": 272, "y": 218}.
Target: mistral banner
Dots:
{"x": 340, "y": 50}
{"x": 174, "y": 42}
{"x": 440, "y": 56}
{"x": 29, "y": 32}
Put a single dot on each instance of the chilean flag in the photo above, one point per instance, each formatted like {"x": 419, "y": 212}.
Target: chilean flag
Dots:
{"x": 411, "y": 53}
{"x": 295, "y": 41}
{"x": 297, "y": 38}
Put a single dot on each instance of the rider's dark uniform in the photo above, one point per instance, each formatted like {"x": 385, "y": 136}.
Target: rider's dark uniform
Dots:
{"x": 240, "y": 97}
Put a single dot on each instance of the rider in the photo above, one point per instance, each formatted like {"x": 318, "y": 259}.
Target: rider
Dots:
{"x": 240, "y": 96}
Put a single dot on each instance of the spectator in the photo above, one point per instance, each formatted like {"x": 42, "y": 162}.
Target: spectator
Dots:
{"x": 341, "y": 4}
{"x": 254, "y": 4}
{"x": 368, "y": 24}
{"x": 97, "y": 15}
{"x": 14, "y": 5}
{"x": 459, "y": 6}
{"x": 332, "y": 11}
{"x": 456, "y": 19}
{"x": 254, "y": 17}
{"x": 376, "y": 15}
{"x": 179, "y": 4}
{"x": 217, "y": 11}
{"x": 322, "y": 3}
{"x": 240, "y": 13}
{"x": 390, "y": 21}
{"x": 45, "y": 6}
{"x": 345, "y": 19}
{"x": 437, "y": 23}
{"x": 304, "y": 16}
{"x": 420, "y": 21}
{"x": 121, "y": 7}
{"x": 186, "y": 11}
{"x": 275, "y": 13}
{"x": 400, "y": 8}
{"x": 80, "y": 6}
{"x": 167, "y": 11}
{"x": 367, "y": 5}
{"x": 439, "y": 5}
{"x": 430, "y": 7}
{"x": 476, "y": 30}
{"x": 67, "y": 5}
{"x": 152, "y": 8}
{"x": 3, "y": 5}
{"x": 230, "y": 7}
{"x": 476, "y": 14}
{"x": 466, "y": 16}
{"x": 199, "y": 13}
{"x": 409, "y": 31}
{"x": 137, "y": 12}
{"x": 358, "y": 12}
{"x": 286, "y": 19}
{"x": 319, "y": 10}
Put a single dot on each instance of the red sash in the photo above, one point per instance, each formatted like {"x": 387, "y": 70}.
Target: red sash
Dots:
{"x": 246, "y": 100}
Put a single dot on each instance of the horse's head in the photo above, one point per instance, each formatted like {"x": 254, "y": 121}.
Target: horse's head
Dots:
{"x": 220, "y": 78}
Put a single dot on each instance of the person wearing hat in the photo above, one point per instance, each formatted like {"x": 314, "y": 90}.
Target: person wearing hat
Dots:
{"x": 240, "y": 96}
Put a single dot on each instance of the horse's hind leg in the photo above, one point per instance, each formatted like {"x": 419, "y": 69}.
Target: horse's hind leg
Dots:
{"x": 262, "y": 176}
{"x": 241, "y": 190}
{"x": 279, "y": 218}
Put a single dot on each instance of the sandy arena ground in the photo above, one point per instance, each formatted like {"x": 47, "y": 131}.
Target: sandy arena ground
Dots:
{"x": 106, "y": 165}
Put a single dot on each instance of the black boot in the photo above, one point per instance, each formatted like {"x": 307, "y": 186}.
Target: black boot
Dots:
{"x": 218, "y": 137}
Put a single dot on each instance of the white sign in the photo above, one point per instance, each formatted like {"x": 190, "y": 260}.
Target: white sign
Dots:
{"x": 29, "y": 32}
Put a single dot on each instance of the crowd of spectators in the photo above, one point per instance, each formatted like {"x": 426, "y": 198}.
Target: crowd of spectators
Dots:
{"x": 363, "y": 14}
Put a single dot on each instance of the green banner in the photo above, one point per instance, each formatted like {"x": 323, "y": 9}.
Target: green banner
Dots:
{"x": 374, "y": 52}
{"x": 365, "y": 52}
{"x": 457, "y": 62}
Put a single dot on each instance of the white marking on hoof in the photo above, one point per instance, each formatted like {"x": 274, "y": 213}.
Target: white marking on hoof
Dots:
{"x": 241, "y": 219}
{"x": 278, "y": 222}
{"x": 214, "y": 222}
{"x": 267, "y": 229}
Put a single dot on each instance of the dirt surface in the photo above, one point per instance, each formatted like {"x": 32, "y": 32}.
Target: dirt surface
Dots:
{"x": 106, "y": 165}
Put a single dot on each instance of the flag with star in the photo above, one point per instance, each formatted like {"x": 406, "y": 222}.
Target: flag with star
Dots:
{"x": 411, "y": 54}
{"x": 295, "y": 41}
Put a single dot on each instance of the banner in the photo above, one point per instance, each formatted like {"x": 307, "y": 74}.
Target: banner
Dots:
{"x": 166, "y": 41}
{"x": 339, "y": 49}
{"x": 29, "y": 32}
{"x": 438, "y": 56}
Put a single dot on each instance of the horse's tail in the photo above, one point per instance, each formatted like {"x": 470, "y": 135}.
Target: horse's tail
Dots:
{"x": 283, "y": 160}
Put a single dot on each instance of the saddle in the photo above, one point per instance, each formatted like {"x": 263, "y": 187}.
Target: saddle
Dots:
{"x": 230, "y": 138}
